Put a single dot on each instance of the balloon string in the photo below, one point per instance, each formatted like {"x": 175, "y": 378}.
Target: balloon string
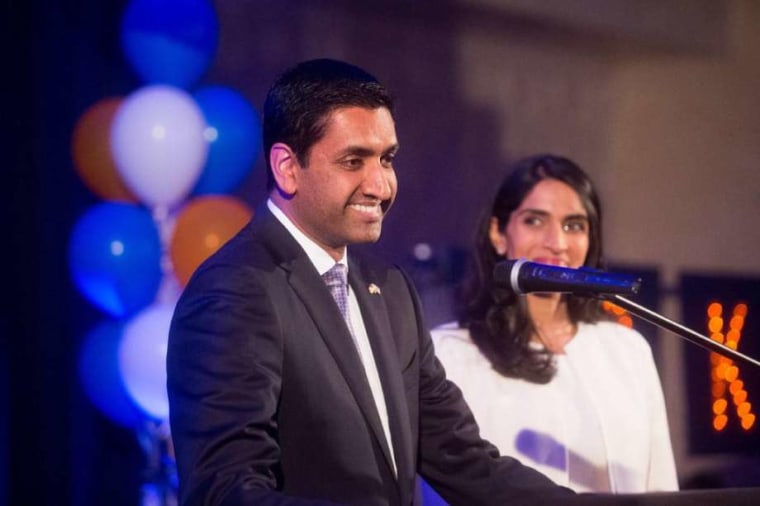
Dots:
{"x": 169, "y": 289}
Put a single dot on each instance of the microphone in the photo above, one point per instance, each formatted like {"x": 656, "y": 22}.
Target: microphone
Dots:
{"x": 522, "y": 276}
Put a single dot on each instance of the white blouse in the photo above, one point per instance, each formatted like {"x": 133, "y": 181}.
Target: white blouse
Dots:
{"x": 598, "y": 426}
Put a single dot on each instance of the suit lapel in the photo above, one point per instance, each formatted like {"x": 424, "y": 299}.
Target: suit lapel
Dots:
{"x": 315, "y": 295}
{"x": 366, "y": 286}
{"x": 311, "y": 289}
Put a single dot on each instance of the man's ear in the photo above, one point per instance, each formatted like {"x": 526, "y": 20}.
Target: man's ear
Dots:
{"x": 498, "y": 239}
{"x": 284, "y": 167}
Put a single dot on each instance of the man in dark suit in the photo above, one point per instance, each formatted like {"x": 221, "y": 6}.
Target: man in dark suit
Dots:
{"x": 289, "y": 386}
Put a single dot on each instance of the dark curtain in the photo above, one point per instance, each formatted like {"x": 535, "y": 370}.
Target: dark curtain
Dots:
{"x": 56, "y": 448}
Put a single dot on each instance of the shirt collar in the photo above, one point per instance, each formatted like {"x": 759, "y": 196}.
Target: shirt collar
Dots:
{"x": 322, "y": 261}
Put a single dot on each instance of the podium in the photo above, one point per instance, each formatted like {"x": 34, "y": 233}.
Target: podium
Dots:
{"x": 708, "y": 497}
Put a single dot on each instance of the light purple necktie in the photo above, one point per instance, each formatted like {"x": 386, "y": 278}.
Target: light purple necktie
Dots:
{"x": 336, "y": 280}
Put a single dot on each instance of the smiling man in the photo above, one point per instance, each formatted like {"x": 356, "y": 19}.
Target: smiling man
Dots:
{"x": 291, "y": 384}
{"x": 341, "y": 192}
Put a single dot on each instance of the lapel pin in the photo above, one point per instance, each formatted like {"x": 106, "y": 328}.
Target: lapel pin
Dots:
{"x": 374, "y": 289}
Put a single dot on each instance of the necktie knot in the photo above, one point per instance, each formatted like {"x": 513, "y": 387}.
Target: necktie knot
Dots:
{"x": 336, "y": 280}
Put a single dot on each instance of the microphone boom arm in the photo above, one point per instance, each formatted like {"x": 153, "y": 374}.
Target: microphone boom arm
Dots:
{"x": 677, "y": 328}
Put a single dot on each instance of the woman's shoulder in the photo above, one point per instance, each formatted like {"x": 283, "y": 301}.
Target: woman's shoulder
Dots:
{"x": 451, "y": 336}
{"x": 613, "y": 334}
{"x": 458, "y": 353}
{"x": 450, "y": 331}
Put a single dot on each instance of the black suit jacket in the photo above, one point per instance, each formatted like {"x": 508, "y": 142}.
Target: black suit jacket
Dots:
{"x": 270, "y": 404}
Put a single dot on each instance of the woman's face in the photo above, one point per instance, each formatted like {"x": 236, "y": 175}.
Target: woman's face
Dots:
{"x": 550, "y": 227}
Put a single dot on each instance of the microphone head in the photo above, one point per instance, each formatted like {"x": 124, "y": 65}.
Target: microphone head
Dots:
{"x": 522, "y": 276}
{"x": 505, "y": 274}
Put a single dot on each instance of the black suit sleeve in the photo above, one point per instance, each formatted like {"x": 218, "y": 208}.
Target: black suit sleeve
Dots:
{"x": 224, "y": 370}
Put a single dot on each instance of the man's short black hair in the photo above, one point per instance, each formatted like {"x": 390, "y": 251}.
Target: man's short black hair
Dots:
{"x": 301, "y": 99}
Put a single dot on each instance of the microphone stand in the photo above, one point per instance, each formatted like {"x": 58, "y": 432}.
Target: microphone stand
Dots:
{"x": 677, "y": 328}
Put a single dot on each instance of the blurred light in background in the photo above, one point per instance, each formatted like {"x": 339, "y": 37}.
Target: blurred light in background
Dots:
{"x": 722, "y": 417}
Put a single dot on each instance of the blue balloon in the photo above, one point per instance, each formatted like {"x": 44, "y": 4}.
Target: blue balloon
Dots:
{"x": 234, "y": 135}
{"x": 170, "y": 41}
{"x": 100, "y": 377}
{"x": 115, "y": 257}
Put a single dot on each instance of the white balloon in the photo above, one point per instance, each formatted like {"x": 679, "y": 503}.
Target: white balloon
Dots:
{"x": 142, "y": 359}
{"x": 158, "y": 144}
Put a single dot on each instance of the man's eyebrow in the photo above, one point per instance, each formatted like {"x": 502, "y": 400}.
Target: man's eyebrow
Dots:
{"x": 356, "y": 150}
{"x": 365, "y": 151}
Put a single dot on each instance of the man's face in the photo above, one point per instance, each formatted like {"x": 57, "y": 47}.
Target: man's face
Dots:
{"x": 348, "y": 183}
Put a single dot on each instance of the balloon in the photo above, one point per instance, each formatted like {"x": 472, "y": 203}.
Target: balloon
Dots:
{"x": 91, "y": 151}
{"x": 202, "y": 227}
{"x": 100, "y": 376}
{"x": 158, "y": 144}
{"x": 142, "y": 359}
{"x": 170, "y": 41}
{"x": 115, "y": 257}
{"x": 234, "y": 134}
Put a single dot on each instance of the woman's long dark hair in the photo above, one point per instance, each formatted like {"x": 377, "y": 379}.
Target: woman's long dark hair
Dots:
{"x": 497, "y": 319}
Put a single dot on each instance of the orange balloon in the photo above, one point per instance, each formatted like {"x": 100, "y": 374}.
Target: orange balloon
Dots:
{"x": 202, "y": 227}
{"x": 91, "y": 151}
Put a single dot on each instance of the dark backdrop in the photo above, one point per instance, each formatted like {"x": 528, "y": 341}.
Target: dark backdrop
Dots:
{"x": 63, "y": 57}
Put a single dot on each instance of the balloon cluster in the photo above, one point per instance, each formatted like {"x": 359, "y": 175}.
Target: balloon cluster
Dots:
{"x": 163, "y": 160}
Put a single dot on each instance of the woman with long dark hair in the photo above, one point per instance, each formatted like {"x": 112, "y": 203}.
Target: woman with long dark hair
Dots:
{"x": 550, "y": 377}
